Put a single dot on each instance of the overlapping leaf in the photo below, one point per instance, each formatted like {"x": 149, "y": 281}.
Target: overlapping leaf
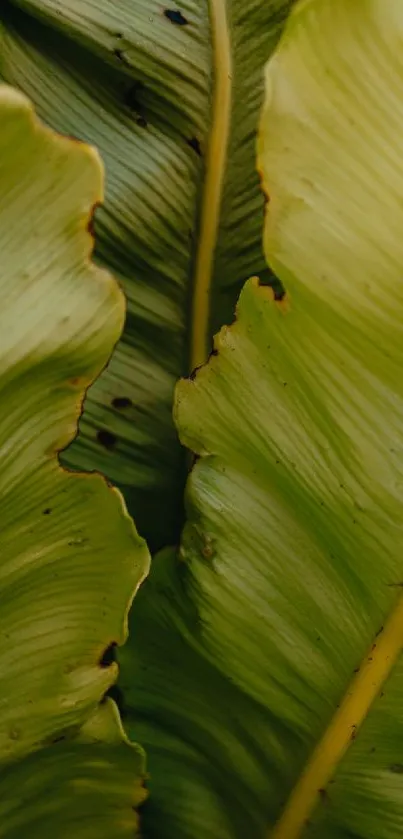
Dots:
{"x": 290, "y": 571}
{"x": 139, "y": 80}
{"x": 63, "y": 536}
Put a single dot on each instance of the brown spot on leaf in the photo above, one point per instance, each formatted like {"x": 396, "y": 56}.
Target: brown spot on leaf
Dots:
{"x": 91, "y": 220}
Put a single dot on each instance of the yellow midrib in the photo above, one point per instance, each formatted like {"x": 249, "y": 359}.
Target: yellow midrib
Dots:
{"x": 343, "y": 727}
{"x": 213, "y": 183}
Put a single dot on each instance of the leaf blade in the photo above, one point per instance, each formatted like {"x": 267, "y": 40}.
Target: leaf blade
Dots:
{"x": 140, "y": 87}
{"x": 60, "y": 608}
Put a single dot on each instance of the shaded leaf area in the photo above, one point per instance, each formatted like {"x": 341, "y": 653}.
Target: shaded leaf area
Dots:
{"x": 290, "y": 567}
{"x": 91, "y": 789}
{"x": 63, "y": 535}
{"x": 191, "y": 719}
{"x": 136, "y": 79}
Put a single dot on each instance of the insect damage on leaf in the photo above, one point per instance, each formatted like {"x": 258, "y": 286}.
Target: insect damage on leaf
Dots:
{"x": 175, "y": 16}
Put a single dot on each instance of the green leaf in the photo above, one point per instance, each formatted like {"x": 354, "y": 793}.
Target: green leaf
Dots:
{"x": 268, "y": 685}
{"x": 170, "y": 95}
{"x": 63, "y": 606}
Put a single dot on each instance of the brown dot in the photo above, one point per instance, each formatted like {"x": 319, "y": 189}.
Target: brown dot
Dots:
{"x": 91, "y": 220}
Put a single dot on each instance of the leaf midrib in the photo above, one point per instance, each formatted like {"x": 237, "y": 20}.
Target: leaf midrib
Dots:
{"x": 213, "y": 183}
{"x": 342, "y": 729}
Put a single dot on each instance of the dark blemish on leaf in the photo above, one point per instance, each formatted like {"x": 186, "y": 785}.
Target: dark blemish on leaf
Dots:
{"x": 106, "y": 438}
{"x": 379, "y": 632}
{"x": 122, "y": 402}
{"x": 118, "y": 54}
{"x": 58, "y": 739}
{"x": 142, "y": 122}
{"x": 78, "y": 542}
{"x": 109, "y": 655}
{"x": 195, "y": 145}
{"x": 356, "y": 670}
{"x": 195, "y": 372}
{"x": 91, "y": 220}
{"x": 373, "y": 749}
{"x": 397, "y": 768}
{"x": 212, "y": 353}
{"x": 47, "y": 512}
{"x": 373, "y": 648}
{"x": 353, "y": 732}
{"x": 370, "y": 658}
{"x": 175, "y": 16}
{"x": 60, "y": 736}
{"x": 323, "y": 794}
{"x": 118, "y": 36}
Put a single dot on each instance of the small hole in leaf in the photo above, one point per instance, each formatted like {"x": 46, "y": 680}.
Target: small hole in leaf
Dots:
{"x": 175, "y": 16}
{"x": 106, "y": 438}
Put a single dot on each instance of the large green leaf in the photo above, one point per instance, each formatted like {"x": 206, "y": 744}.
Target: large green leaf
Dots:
{"x": 170, "y": 96}
{"x": 268, "y": 684}
{"x": 63, "y": 535}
